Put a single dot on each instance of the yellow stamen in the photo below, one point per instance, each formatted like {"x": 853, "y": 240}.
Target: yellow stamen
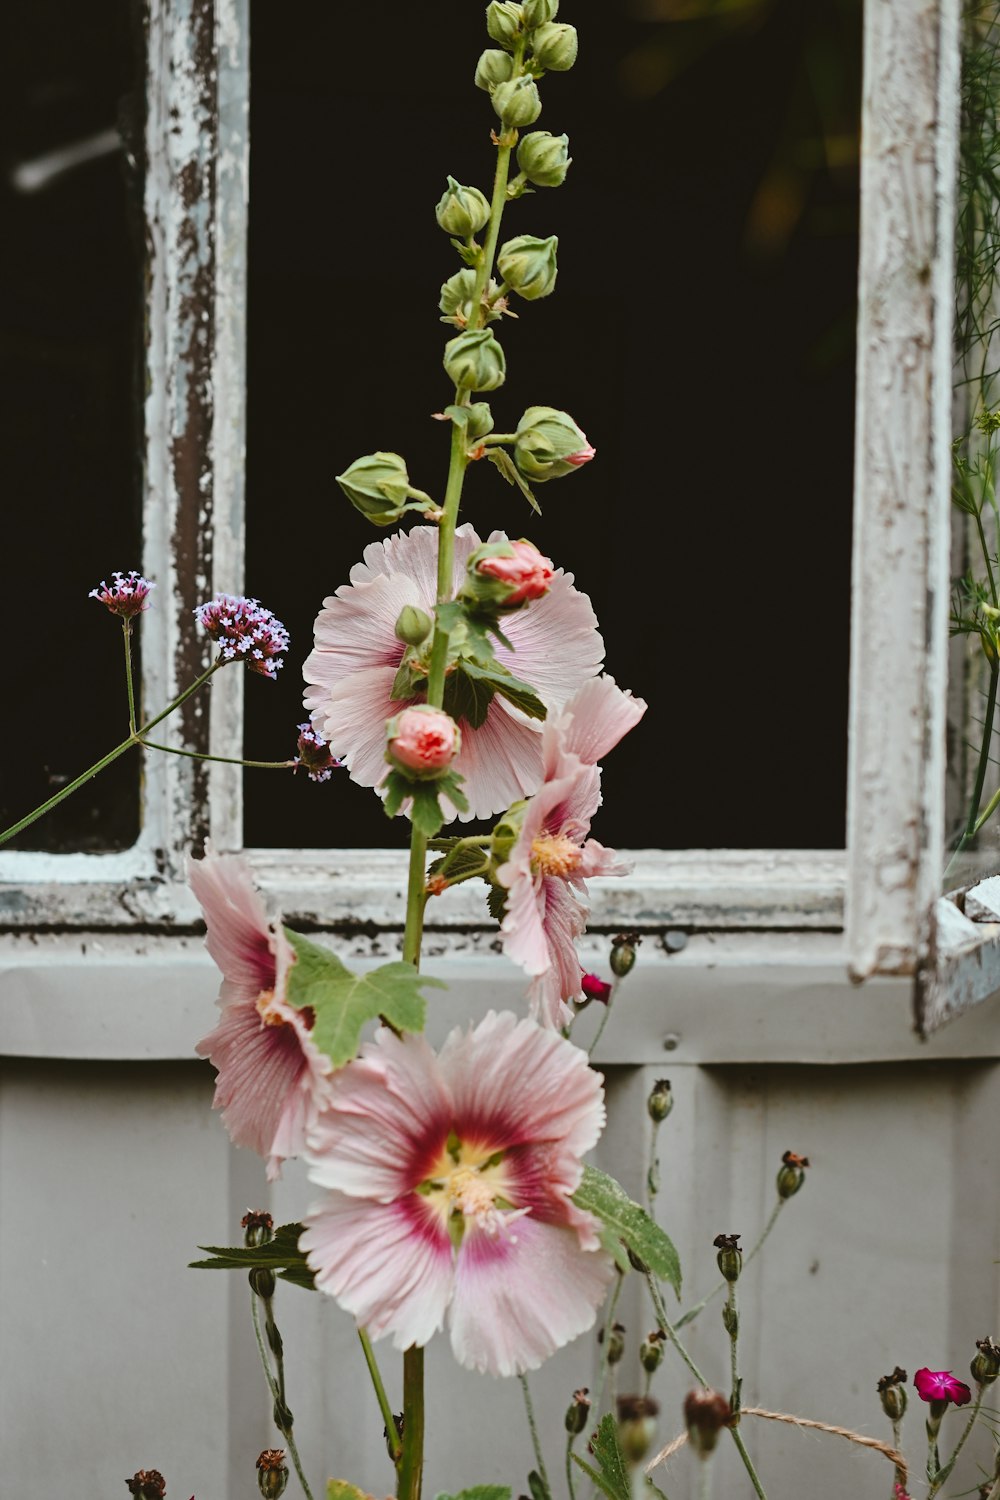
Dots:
{"x": 268, "y": 1011}
{"x": 552, "y": 854}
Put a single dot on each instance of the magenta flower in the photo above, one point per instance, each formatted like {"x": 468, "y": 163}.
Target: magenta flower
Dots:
{"x": 553, "y": 856}
{"x": 941, "y": 1385}
{"x": 314, "y": 755}
{"x": 246, "y": 631}
{"x": 449, "y": 1183}
{"x": 271, "y": 1079}
{"x": 350, "y": 673}
{"x": 595, "y": 988}
{"x": 127, "y": 594}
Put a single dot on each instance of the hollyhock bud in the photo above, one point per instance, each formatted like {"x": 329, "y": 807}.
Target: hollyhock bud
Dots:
{"x": 492, "y": 68}
{"x": 517, "y": 101}
{"x": 651, "y": 1350}
{"x": 576, "y": 1413}
{"x": 892, "y": 1394}
{"x": 504, "y": 22}
{"x": 378, "y": 486}
{"x": 660, "y": 1102}
{"x": 528, "y": 265}
{"x": 463, "y": 210}
{"x": 422, "y": 742}
{"x": 985, "y": 1366}
{"x": 537, "y": 12}
{"x": 791, "y": 1174}
{"x": 272, "y": 1473}
{"x": 623, "y": 954}
{"x": 257, "y": 1228}
{"x": 596, "y": 988}
{"x": 549, "y": 444}
{"x": 636, "y": 1425}
{"x": 509, "y": 574}
{"x": 730, "y": 1256}
{"x": 705, "y": 1414}
{"x": 480, "y": 420}
{"x": 413, "y": 625}
{"x": 554, "y": 46}
{"x": 456, "y": 299}
{"x": 544, "y": 158}
{"x": 475, "y": 361}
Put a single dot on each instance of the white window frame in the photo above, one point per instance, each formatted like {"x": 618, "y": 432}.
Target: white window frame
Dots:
{"x": 196, "y": 213}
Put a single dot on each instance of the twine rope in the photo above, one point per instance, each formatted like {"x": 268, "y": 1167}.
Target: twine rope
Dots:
{"x": 895, "y": 1458}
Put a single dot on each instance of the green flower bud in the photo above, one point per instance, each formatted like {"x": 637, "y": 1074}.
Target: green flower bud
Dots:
{"x": 576, "y": 1414}
{"x": 537, "y": 12}
{"x": 517, "y": 101}
{"x": 413, "y": 626}
{"x": 623, "y": 945}
{"x": 480, "y": 421}
{"x": 456, "y": 298}
{"x": 475, "y": 361}
{"x": 272, "y": 1473}
{"x": 262, "y": 1281}
{"x": 463, "y": 210}
{"x": 505, "y": 22}
{"x": 548, "y": 444}
{"x": 892, "y": 1394}
{"x": 651, "y": 1350}
{"x": 257, "y": 1228}
{"x": 985, "y": 1366}
{"x": 544, "y": 158}
{"x": 660, "y": 1102}
{"x": 529, "y": 265}
{"x": 636, "y": 1425}
{"x": 379, "y": 487}
{"x": 554, "y": 46}
{"x": 615, "y": 1336}
{"x": 791, "y": 1174}
{"x": 492, "y": 68}
{"x": 730, "y": 1256}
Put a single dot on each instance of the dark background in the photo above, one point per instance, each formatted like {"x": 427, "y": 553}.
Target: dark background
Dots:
{"x": 701, "y": 333}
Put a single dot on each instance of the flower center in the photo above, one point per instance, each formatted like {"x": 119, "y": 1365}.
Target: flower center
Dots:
{"x": 466, "y": 1186}
{"x": 268, "y": 1010}
{"x": 552, "y": 854}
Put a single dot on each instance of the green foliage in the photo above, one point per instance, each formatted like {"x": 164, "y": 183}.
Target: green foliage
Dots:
{"x": 342, "y": 1489}
{"x": 480, "y": 1492}
{"x": 602, "y": 1195}
{"x": 512, "y": 474}
{"x": 280, "y": 1254}
{"x": 343, "y": 1002}
{"x": 611, "y": 1475}
{"x": 539, "y": 1489}
{"x": 459, "y": 860}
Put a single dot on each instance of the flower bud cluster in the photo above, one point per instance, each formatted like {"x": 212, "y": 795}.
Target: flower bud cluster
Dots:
{"x": 245, "y": 631}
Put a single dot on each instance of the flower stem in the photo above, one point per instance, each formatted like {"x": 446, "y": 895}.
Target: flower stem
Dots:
{"x": 938, "y": 1479}
{"x": 705, "y": 1477}
{"x": 529, "y": 1411}
{"x": 698, "y": 1307}
{"x": 653, "y": 1167}
{"x": 225, "y": 760}
{"x": 570, "y": 1483}
{"x": 741, "y": 1449}
{"x": 411, "y": 1461}
{"x": 127, "y": 642}
{"x": 276, "y": 1383}
{"x": 974, "y": 822}
{"x": 609, "y": 1318}
{"x": 732, "y": 1321}
{"x": 605, "y": 1018}
{"x": 391, "y": 1430}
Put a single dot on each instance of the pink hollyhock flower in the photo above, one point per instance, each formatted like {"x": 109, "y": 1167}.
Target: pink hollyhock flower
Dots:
{"x": 528, "y": 574}
{"x": 350, "y": 673}
{"x": 423, "y": 740}
{"x": 552, "y": 856}
{"x": 449, "y": 1182}
{"x": 127, "y": 594}
{"x": 941, "y": 1385}
{"x": 595, "y": 988}
{"x": 271, "y": 1079}
{"x": 585, "y": 454}
{"x": 246, "y": 631}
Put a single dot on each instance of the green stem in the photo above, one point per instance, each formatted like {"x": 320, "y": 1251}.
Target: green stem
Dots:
{"x": 570, "y": 1484}
{"x": 653, "y": 1168}
{"x": 974, "y": 822}
{"x": 733, "y": 1328}
{"x": 416, "y": 898}
{"x": 943, "y": 1473}
{"x": 277, "y": 1389}
{"x": 705, "y": 1477}
{"x": 986, "y": 557}
{"x": 127, "y": 641}
{"x": 391, "y": 1430}
{"x": 529, "y": 1412}
{"x": 741, "y": 1449}
{"x": 609, "y": 1318}
{"x": 605, "y": 1018}
{"x": 411, "y": 1461}
{"x": 225, "y": 760}
{"x": 698, "y": 1307}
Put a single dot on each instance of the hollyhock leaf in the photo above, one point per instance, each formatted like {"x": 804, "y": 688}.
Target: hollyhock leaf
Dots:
{"x": 519, "y": 693}
{"x": 513, "y": 475}
{"x": 613, "y": 1245}
{"x": 425, "y": 810}
{"x": 458, "y": 414}
{"x": 466, "y": 698}
{"x": 342, "y": 1489}
{"x": 496, "y": 900}
{"x": 343, "y": 1003}
{"x": 601, "y": 1195}
{"x": 480, "y": 1492}
{"x": 613, "y": 1478}
{"x": 280, "y": 1254}
{"x": 397, "y": 789}
{"x": 462, "y": 865}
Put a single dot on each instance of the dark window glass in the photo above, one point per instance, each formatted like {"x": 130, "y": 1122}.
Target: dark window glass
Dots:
{"x": 70, "y": 341}
{"x": 702, "y": 333}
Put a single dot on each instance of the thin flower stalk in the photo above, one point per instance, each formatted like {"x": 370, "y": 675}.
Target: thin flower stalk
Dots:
{"x": 942, "y": 1473}
{"x": 391, "y": 1430}
{"x": 609, "y": 1318}
{"x": 222, "y": 760}
{"x": 605, "y": 1018}
{"x": 529, "y": 1412}
{"x": 692, "y": 1312}
{"x": 276, "y": 1382}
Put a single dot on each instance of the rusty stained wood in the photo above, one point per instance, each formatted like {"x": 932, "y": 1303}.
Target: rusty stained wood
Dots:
{"x": 902, "y": 482}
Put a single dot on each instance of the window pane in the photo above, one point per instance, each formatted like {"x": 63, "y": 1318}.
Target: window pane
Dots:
{"x": 702, "y": 333}
{"x": 70, "y": 467}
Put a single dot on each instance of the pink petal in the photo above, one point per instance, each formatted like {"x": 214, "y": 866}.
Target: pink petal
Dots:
{"x": 386, "y": 1121}
{"x": 565, "y": 920}
{"x": 355, "y": 629}
{"x": 521, "y": 1296}
{"x": 501, "y": 761}
{"x": 592, "y": 722}
{"x": 389, "y": 1265}
{"x": 597, "y": 860}
{"x": 556, "y": 641}
{"x": 240, "y": 938}
{"x": 352, "y": 716}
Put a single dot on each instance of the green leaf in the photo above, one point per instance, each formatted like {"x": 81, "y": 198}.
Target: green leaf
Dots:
{"x": 602, "y": 1195}
{"x": 466, "y": 861}
{"x": 458, "y": 414}
{"x": 397, "y": 789}
{"x": 480, "y": 1492}
{"x": 512, "y": 688}
{"x": 496, "y": 900}
{"x": 425, "y": 810}
{"x": 343, "y": 1002}
{"x": 281, "y": 1254}
{"x": 342, "y": 1489}
{"x": 467, "y": 698}
{"x": 513, "y": 475}
{"x": 611, "y": 1476}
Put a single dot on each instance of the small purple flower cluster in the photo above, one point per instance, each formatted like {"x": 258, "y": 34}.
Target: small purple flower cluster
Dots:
{"x": 245, "y": 630}
{"x": 314, "y": 755}
{"x": 126, "y": 595}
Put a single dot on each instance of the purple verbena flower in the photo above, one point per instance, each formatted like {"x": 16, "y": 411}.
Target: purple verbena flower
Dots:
{"x": 314, "y": 755}
{"x": 246, "y": 631}
{"x": 126, "y": 595}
